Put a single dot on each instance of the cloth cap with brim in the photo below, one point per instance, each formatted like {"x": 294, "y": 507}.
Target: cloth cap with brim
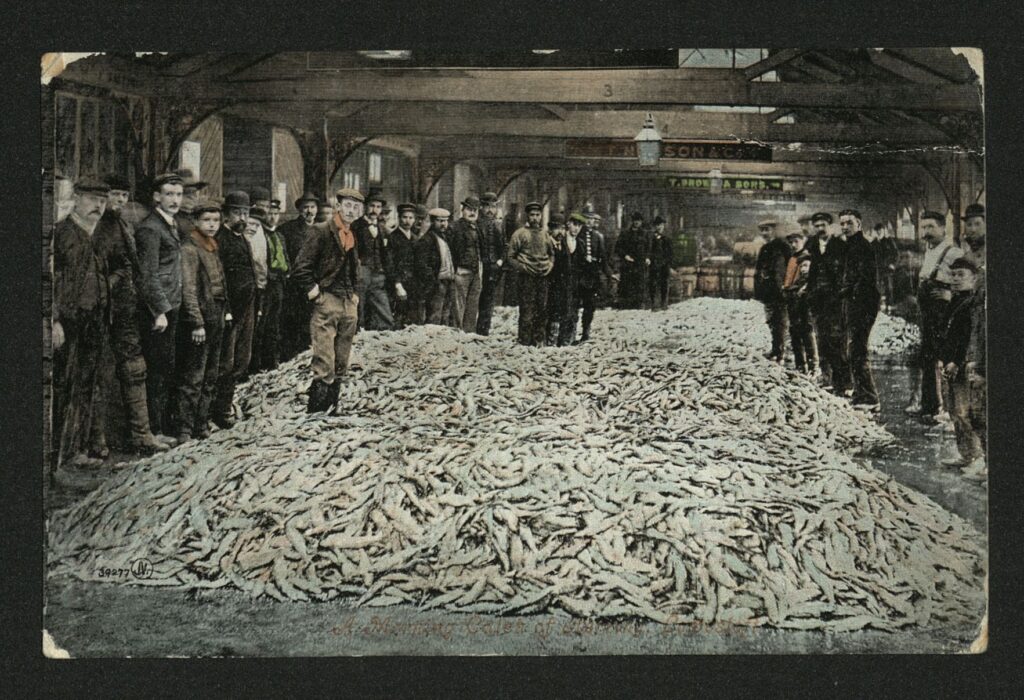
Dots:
{"x": 166, "y": 179}
{"x": 593, "y": 216}
{"x": 275, "y": 205}
{"x": 205, "y": 206}
{"x": 797, "y": 233}
{"x": 556, "y": 220}
{"x": 658, "y": 220}
{"x": 934, "y": 216}
{"x": 805, "y": 219}
{"x": 821, "y": 216}
{"x": 439, "y": 213}
{"x": 259, "y": 194}
{"x": 89, "y": 185}
{"x": 851, "y": 212}
{"x": 533, "y": 206}
{"x": 767, "y": 223}
{"x": 307, "y": 197}
{"x": 188, "y": 179}
{"x": 973, "y": 210}
{"x": 238, "y": 198}
{"x": 349, "y": 193}
{"x": 578, "y": 218}
{"x": 402, "y": 208}
{"x": 489, "y": 198}
{"x": 471, "y": 203}
{"x": 963, "y": 263}
{"x": 117, "y": 182}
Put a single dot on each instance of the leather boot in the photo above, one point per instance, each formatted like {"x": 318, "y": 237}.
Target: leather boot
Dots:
{"x": 142, "y": 440}
{"x": 318, "y": 392}
{"x": 221, "y": 409}
{"x": 331, "y": 398}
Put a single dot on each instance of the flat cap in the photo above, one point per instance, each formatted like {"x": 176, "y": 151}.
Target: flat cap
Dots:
{"x": 576, "y": 216}
{"x": 166, "y": 179}
{"x": 821, "y": 216}
{"x": 238, "y": 198}
{"x": 439, "y": 213}
{"x": 963, "y": 263}
{"x": 115, "y": 181}
{"x": 556, "y": 219}
{"x": 805, "y": 219}
{"x": 593, "y": 216}
{"x": 853, "y": 212}
{"x": 406, "y": 206}
{"x": 795, "y": 233}
{"x": 637, "y": 216}
{"x": 533, "y": 206}
{"x": 258, "y": 194}
{"x": 275, "y": 205}
{"x": 206, "y": 206}
{"x": 934, "y": 215}
{"x": 471, "y": 203}
{"x": 489, "y": 197}
{"x": 973, "y": 210}
{"x": 188, "y": 179}
{"x": 307, "y": 196}
{"x": 766, "y": 223}
{"x": 349, "y": 193}
{"x": 89, "y": 185}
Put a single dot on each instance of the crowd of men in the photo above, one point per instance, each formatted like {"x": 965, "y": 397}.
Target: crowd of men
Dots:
{"x": 827, "y": 286}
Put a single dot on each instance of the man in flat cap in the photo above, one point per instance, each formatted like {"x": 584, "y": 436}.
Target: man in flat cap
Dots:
{"x": 633, "y": 251}
{"x": 492, "y": 257}
{"x": 265, "y": 354}
{"x": 402, "y": 245}
{"x": 240, "y": 321}
{"x": 374, "y": 266}
{"x": 661, "y": 266}
{"x": 296, "y": 309}
{"x": 79, "y": 310}
{"x": 861, "y": 301}
{"x": 327, "y": 268}
{"x": 828, "y": 258}
{"x": 115, "y": 242}
{"x": 531, "y": 253}
{"x": 435, "y": 272}
{"x": 769, "y": 276}
{"x": 561, "y": 284}
{"x": 464, "y": 240}
{"x": 158, "y": 241}
{"x": 591, "y": 269}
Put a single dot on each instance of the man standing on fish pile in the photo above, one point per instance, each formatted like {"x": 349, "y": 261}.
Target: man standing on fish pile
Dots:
{"x": 974, "y": 367}
{"x": 861, "y": 301}
{"x": 435, "y": 272}
{"x": 240, "y": 320}
{"x": 296, "y": 309}
{"x": 402, "y": 242}
{"x": 492, "y": 256}
{"x": 661, "y": 265}
{"x": 328, "y": 270}
{"x": 464, "y": 240}
{"x": 266, "y": 342}
{"x": 828, "y": 255}
{"x": 801, "y": 334}
{"x": 374, "y": 267}
{"x": 769, "y": 277}
{"x": 590, "y": 267}
{"x": 633, "y": 250}
{"x": 560, "y": 306}
{"x": 531, "y": 253}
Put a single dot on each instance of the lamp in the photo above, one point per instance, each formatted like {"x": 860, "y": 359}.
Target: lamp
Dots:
{"x": 648, "y": 143}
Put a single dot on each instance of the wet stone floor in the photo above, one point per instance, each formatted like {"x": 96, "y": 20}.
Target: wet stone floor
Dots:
{"x": 108, "y": 620}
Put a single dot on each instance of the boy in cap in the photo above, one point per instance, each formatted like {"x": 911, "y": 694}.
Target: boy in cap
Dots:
{"x": 402, "y": 242}
{"x": 531, "y": 254}
{"x": 801, "y": 334}
{"x": 661, "y": 264}
{"x": 296, "y": 308}
{"x": 374, "y": 266}
{"x": 327, "y": 268}
{"x": 80, "y": 305}
{"x": 561, "y": 285}
{"x": 464, "y": 239}
{"x": 492, "y": 257}
{"x": 769, "y": 276}
{"x": 204, "y": 306}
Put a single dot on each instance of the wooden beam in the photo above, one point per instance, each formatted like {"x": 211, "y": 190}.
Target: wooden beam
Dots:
{"x": 897, "y": 66}
{"x": 773, "y": 61}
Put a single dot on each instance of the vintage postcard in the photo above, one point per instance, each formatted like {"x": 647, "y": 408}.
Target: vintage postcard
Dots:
{"x": 518, "y": 352}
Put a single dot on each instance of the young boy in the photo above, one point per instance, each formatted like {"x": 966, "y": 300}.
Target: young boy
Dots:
{"x": 794, "y": 287}
{"x": 204, "y": 305}
{"x": 953, "y": 355}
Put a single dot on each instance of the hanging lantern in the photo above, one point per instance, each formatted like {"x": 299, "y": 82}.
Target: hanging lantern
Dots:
{"x": 648, "y": 143}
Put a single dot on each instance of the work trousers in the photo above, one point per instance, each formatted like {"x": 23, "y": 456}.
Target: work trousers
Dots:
{"x": 488, "y": 295}
{"x": 128, "y": 369}
{"x": 199, "y": 365}
{"x": 934, "y": 313}
{"x": 331, "y": 329}
{"x": 295, "y": 313}
{"x": 467, "y": 297}
{"x": 962, "y": 405}
{"x": 438, "y": 304}
{"x": 978, "y": 411}
{"x": 860, "y": 320}
{"x": 265, "y": 353}
{"x": 801, "y": 335}
{"x": 74, "y": 384}
{"x": 403, "y": 311}
{"x": 235, "y": 353}
{"x": 632, "y": 285}
{"x": 833, "y": 346}
{"x": 533, "y": 296}
{"x": 657, "y": 287}
{"x": 374, "y": 306}
{"x": 159, "y": 351}
{"x": 775, "y": 315}
{"x": 587, "y": 293}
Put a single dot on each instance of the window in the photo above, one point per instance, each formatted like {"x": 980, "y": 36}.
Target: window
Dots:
{"x": 375, "y": 167}
{"x": 352, "y": 180}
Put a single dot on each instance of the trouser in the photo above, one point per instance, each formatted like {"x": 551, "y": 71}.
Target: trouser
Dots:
{"x": 128, "y": 367}
{"x": 657, "y": 287}
{"x": 268, "y": 327}
{"x": 403, "y": 311}
{"x": 632, "y": 286}
{"x": 834, "y": 346}
{"x": 561, "y": 314}
{"x": 467, "y": 297}
{"x": 295, "y": 313}
{"x": 533, "y": 294}
{"x": 775, "y": 315}
{"x": 74, "y": 384}
{"x": 960, "y": 406}
{"x": 977, "y": 412}
{"x": 438, "y": 303}
{"x": 821, "y": 342}
{"x": 159, "y": 351}
{"x": 586, "y": 298}
{"x": 199, "y": 365}
{"x": 801, "y": 335}
{"x": 332, "y": 327}
{"x": 860, "y": 321}
{"x": 374, "y": 307}
{"x": 488, "y": 295}
{"x": 235, "y": 353}
{"x": 933, "y": 322}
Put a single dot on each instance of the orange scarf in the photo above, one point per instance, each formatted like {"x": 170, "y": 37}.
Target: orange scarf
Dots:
{"x": 207, "y": 243}
{"x": 348, "y": 241}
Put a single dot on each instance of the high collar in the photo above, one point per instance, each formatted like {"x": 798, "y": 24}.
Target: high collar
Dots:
{"x": 82, "y": 223}
{"x": 169, "y": 218}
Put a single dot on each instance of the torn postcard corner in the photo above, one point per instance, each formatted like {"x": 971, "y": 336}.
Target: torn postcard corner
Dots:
{"x": 51, "y": 650}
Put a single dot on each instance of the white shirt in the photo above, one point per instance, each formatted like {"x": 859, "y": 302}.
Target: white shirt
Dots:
{"x": 167, "y": 217}
{"x": 932, "y": 256}
{"x": 447, "y": 271}
{"x": 258, "y": 245}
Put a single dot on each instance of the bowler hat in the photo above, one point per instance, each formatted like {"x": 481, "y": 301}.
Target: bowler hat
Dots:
{"x": 421, "y": 210}
{"x": 471, "y": 203}
{"x": 188, "y": 179}
{"x": 238, "y": 198}
{"x": 349, "y": 193}
{"x": 533, "y": 206}
{"x": 307, "y": 196}
{"x": 489, "y": 198}
{"x": 821, "y": 216}
{"x": 259, "y": 194}
{"x": 973, "y": 210}
{"x": 117, "y": 182}
{"x": 375, "y": 195}
{"x": 259, "y": 213}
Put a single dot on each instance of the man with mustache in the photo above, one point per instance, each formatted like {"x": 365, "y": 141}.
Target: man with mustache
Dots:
{"x": 492, "y": 257}
{"x": 402, "y": 242}
{"x": 464, "y": 239}
{"x": 374, "y": 266}
{"x": 79, "y": 311}
{"x": 296, "y": 310}
{"x": 158, "y": 241}
{"x": 435, "y": 272}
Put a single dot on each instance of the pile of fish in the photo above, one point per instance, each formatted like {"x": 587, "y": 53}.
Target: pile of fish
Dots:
{"x": 663, "y": 470}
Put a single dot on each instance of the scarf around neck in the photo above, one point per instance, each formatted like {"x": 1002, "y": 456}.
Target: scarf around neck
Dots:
{"x": 348, "y": 241}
